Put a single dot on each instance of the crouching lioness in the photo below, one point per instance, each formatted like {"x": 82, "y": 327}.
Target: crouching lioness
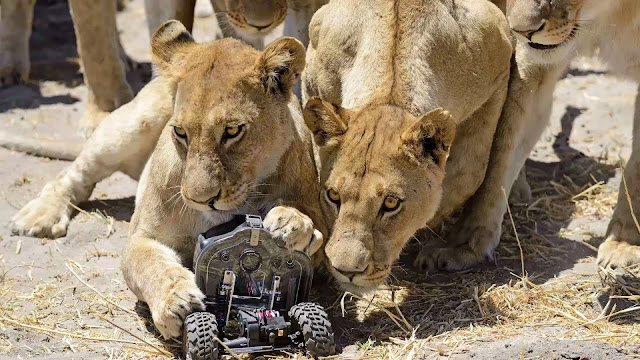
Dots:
{"x": 382, "y": 163}
{"x": 236, "y": 143}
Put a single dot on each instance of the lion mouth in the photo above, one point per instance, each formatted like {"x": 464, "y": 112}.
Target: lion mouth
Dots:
{"x": 543, "y": 46}
{"x": 554, "y": 46}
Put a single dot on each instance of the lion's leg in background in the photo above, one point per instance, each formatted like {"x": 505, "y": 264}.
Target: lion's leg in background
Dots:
{"x": 94, "y": 23}
{"x": 468, "y": 157}
{"x": 123, "y": 142}
{"x": 16, "y": 17}
{"x": 520, "y": 190}
{"x": 524, "y": 116}
{"x": 159, "y": 11}
{"x": 622, "y": 246}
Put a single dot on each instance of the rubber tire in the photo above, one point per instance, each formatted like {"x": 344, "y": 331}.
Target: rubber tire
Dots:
{"x": 199, "y": 333}
{"x": 313, "y": 322}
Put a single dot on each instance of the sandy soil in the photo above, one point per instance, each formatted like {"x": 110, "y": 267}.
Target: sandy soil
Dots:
{"x": 46, "y": 311}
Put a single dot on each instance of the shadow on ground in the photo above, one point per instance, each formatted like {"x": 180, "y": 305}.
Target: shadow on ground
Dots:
{"x": 119, "y": 209}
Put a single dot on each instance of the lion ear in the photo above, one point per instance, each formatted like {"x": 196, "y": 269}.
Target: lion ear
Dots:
{"x": 429, "y": 138}
{"x": 325, "y": 120}
{"x": 169, "y": 41}
{"x": 280, "y": 65}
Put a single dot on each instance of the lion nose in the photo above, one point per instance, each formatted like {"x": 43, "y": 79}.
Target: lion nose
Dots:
{"x": 204, "y": 198}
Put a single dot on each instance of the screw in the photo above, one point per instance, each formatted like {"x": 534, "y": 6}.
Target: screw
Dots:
{"x": 276, "y": 263}
{"x": 225, "y": 256}
{"x": 290, "y": 264}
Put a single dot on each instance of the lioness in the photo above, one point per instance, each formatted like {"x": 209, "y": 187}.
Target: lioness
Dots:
{"x": 382, "y": 163}
{"x": 235, "y": 143}
{"x": 550, "y": 34}
{"x": 126, "y": 138}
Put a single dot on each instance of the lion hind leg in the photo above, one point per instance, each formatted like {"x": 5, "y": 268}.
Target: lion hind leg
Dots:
{"x": 104, "y": 72}
{"x": 15, "y": 30}
{"x": 622, "y": 246}
{"x": 524, "y": 116}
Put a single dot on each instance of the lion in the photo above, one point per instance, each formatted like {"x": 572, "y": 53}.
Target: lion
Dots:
{"x": 122, "y": 142}
{"x": 126, "y": 141}
{"x": 103, "y": 59}
{"x": 236, "y": 143}
{"x": 375, "y": 85}
{"x": 550, "y": 35}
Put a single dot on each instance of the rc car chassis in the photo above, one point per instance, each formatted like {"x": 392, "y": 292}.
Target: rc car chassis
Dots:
{"x": 257, "y": 295}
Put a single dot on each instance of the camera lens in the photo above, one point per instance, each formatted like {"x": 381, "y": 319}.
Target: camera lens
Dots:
{"x": 250, "y": 261}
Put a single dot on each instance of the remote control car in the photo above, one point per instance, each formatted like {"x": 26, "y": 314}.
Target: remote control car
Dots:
{"x": 257, "y": 295}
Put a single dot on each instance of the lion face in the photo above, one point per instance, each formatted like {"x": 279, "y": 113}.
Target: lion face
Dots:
{"x": 252, "y": 17}
{"x": 381, "y": 172}
{"x": 231, "y": 122}
{"x": 549, "y": 30}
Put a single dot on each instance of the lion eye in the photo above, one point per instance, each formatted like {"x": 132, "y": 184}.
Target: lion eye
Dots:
{"x": 391, "y": 203}
{"x": 334, "y": 196}
{"x": 232, "y": 131}
{"x": 180, "y": 132}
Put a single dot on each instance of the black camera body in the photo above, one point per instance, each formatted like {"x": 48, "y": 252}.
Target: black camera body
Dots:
{"x": 257, "y": 294}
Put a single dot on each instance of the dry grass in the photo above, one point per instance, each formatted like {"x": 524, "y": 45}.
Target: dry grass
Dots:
{"x": 442, "y": 316}
{"x": 77, "y": 316}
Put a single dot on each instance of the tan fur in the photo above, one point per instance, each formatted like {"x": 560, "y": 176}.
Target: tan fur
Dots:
{"x": 99, "y": 48}
{"x": 16, "y": 17}
{"x": 260, "y": 22}
{"x": 198, "y": 181}
{"x": 575, "y": 27}
{"x": 415, "y": 56}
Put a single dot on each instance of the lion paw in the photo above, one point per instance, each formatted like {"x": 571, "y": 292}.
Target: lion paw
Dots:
{"x": 520, "y": 190}
{"x": 616, "y": 254}
{"x": 470, "y": 245}
{"x": 45, "y": 216}
{"x": 182, "y": 298}
{"x": 446, "y": 259}
{"x": 90, "y": 120}
{"x": 14, "y": 66}
{"x": 294, "y": 228}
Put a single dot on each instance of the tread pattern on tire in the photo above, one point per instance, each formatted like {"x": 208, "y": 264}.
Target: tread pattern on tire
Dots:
{"x": 201, "y": 329}
{"x": 315, "y": 326}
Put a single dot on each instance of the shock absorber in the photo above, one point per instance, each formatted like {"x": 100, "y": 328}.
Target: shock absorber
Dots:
{"x": 276, "y": 296}
{"x": 221, "y": 306}
{"x": 223, "y": 298}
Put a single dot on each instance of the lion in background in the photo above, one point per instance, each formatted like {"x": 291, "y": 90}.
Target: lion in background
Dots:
{"x": 104, "y": 60}
{"x": 550, "y": 35}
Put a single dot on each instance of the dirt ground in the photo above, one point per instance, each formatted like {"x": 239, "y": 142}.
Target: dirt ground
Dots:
{"x": 66, "y": 298}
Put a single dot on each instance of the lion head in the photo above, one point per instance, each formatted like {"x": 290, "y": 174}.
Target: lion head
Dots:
{"x": 231, "y": 122}
{"x": 550, "y": 30}
{"x": 381, "y": 170}
{"x": 251, "y": 17}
